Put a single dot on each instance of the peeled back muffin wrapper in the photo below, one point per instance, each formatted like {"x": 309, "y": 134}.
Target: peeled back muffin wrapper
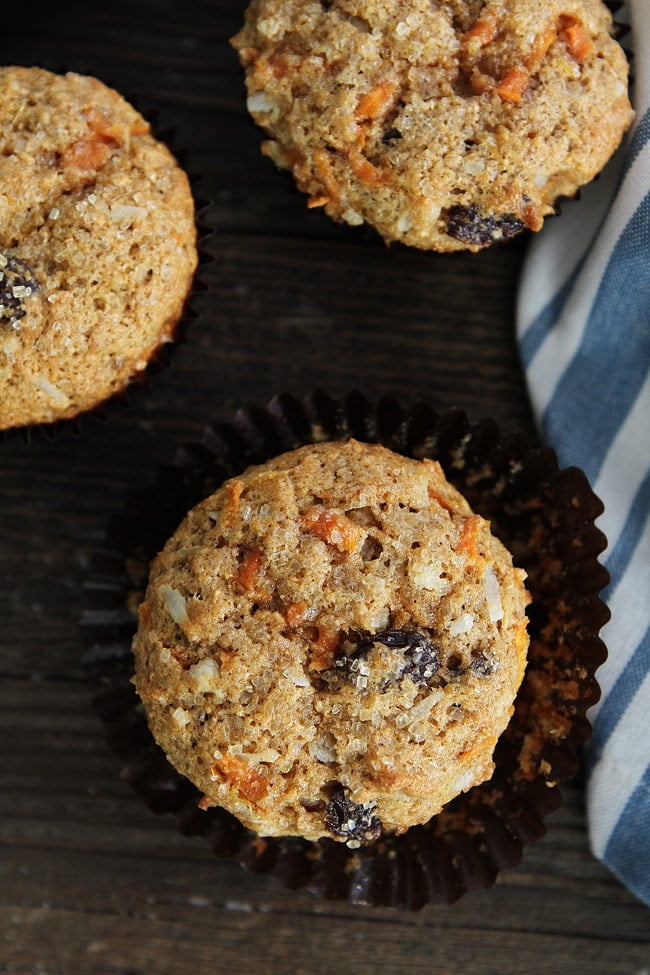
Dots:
{"x": 543, "y": 515}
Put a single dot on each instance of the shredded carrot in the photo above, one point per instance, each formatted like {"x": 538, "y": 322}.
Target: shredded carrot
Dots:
{"x": 365, "y": 170}
{"x": 317, "y": 201}
{"x": 521, "y": 639}
{"x": 271, "y": 67}
{"x": 578, "y": 41}
{"x": 332, "y": 528}
{"x": 105, "y": 129}
{"x": 249, "y": 783}
{"x": 140, "y": 127}
{"x": 487, "y": 744}
{"x": 144, "y": 613}
{"x": 233, "y": 494}
{"x": 532, "y": 216}
{"x": 325, "y": 646}
{"x": 483, "y": 31}
{"x": 325, "y": 173}
{"x": 376, "y": 101}
{"x": 295, "y": 613}
{"x": 469, "y": 536}
{"x": 86, "y": 154}
{"x": 513, "y": 84}
{"x": 250, "y": 570}
{"x": 440, "y": 500}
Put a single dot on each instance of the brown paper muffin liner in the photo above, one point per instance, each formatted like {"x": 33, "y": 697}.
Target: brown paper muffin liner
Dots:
{"x": 160, "y": 358}
{"x": 544, "y": 515}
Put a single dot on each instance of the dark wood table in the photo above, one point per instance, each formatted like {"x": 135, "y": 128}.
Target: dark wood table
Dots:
{"x": 90, "y": 880}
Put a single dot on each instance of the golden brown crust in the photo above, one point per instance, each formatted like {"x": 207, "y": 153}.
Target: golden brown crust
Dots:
{"x": 331, "y": 642}
{"x": 445, "y": 125}
{"x": 96, "y": 231}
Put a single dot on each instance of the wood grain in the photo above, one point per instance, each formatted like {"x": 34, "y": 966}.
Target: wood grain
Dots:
{"x": 90, "y": 881}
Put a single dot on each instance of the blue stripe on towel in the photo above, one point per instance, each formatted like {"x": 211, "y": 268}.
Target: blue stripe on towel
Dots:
{"x": 620, "y": 696}
{"x": 549, "y": 315}
{"x": 628, "y": 853}
{"x": 618, "y": 558}
{"x": 602, "y": 380}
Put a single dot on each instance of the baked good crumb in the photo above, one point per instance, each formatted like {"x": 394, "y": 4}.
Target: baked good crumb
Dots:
{"x": 446, "y": 125}
{"x": 97, "y": 244}
{"x": 330, "y": 645}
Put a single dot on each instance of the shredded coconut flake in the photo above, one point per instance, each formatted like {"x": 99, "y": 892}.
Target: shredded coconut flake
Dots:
{"x": 260, "y": 102}
{"x": 352, "y": 217}
{"x": 322, "y": 750}
{"x": 461, "y": 625}
{"x": 55, "y": 394}
{"x": 181, "y": 717}
{"x": 296, "y": 677}
{"x": 266, "y": 755}
{"x": 492, "y": 595}
{"x": 121, "y": 212}
{"x": 404, "y": 223}
{"x": 473, "y": 166}
{"x": 174, "y": 604}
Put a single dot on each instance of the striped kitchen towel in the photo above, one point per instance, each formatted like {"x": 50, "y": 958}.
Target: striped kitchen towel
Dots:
{"x": 583, "y": 325}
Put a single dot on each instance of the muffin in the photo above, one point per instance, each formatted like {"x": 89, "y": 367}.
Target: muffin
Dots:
{"x": 330, "y": 645}
{"x": 544, "y": 515}
{"x": 97, "y": 244}
{"x": 446, "y": 125}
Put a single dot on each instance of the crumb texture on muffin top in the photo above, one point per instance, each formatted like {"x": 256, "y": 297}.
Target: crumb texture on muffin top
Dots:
{"x": 445, "y": 125}
{"x": 97, "y": 244}
{"x": 330, "y": 645}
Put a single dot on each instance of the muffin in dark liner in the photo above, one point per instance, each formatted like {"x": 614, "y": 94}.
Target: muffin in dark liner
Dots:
{"x": 544, "y": 515}
{"x": 161, "y": 356}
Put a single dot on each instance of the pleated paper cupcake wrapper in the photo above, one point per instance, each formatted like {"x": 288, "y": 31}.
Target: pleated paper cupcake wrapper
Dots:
{"x": 160, "y": 358}
{"x": 544, "y": 515}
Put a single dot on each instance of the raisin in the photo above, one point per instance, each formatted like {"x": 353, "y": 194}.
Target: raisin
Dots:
{"x": 470, "y": 226}
{"x": 421, "y": 658}
{"x": 481, "y": 665}
{"x": 351, "y": 820}
{"x": 16, "y": 284}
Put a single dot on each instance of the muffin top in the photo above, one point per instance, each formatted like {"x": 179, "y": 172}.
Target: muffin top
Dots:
{"x": 331, "y": 643}
{"x": 97, "y": 244}
{"x": 445, "y": 125}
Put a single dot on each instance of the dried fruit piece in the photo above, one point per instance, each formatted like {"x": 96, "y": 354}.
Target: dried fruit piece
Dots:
{"x": 356, "y": 822}
{"x": 482, "y": 665}
{"x": 421, "y": 658}
{"x": 16, "y": 284}
{"x": 470, "y": 226}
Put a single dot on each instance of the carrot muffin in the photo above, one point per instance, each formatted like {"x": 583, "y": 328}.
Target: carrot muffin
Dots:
{"x": 330, "y": 645}
{"x": 97, "y": 244}
{"x": 444, "y": 125}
